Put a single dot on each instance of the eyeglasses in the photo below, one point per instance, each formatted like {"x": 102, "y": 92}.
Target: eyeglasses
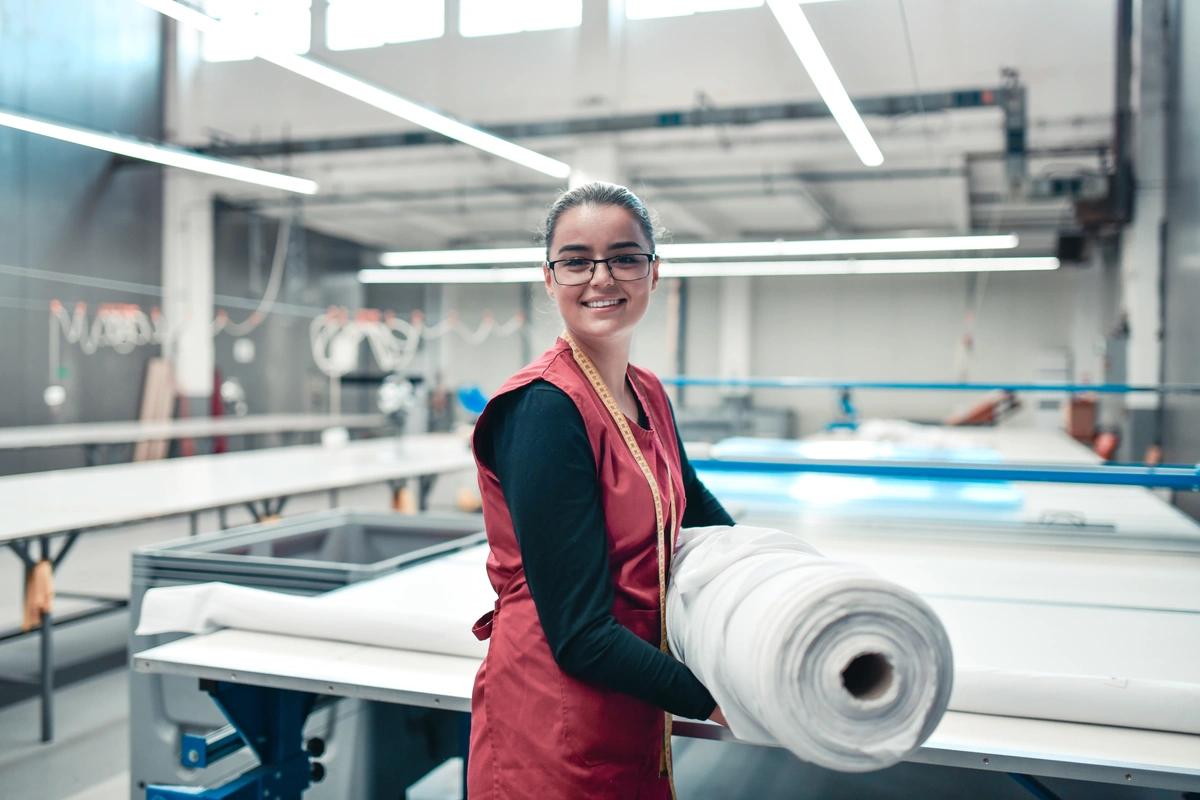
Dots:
{"x": 577, "y": 271}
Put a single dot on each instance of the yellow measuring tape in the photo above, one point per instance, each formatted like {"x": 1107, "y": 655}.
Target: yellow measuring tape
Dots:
{"x": 614, "y": 410}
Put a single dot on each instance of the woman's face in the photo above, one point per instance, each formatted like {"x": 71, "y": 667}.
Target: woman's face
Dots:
{"x": 592, "y": 231}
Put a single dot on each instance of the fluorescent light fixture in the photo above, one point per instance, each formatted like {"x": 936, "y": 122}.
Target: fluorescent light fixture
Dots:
{"x": 440, "y": 258}
{"x": 815, "y": 247}
{"x": 159, "y": 154}
{"x": 479, "y": 275}
{"x": 893, "y": 266}
{"x": 729, "y": 269}
{"x": 804, "y": 41}
{"x": 840, "y": 247}
{"x": 366, "y": 92}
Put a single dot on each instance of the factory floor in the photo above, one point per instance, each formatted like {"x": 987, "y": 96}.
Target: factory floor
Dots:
{"x": 90, "y": 755}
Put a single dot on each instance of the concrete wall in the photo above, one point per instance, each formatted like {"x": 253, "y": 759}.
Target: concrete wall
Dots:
{"x": 67, "y": 209}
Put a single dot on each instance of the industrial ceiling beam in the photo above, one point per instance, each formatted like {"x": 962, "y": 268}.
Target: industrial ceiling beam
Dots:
{"x": 885, "y": 106}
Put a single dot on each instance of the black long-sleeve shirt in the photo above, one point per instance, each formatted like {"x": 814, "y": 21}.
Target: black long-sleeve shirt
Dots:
{"x": 539, "y": 450}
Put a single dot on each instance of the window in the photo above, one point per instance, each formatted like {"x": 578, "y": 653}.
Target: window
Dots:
{"x": 356, "y": 24}
{"x": 490, "y": 17}
{"x": 283, "y": 23}
{"x": 648, "y": 9}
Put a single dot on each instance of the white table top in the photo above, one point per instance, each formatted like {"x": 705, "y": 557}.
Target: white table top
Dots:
{"x": 1039, "y": 747}
{"x": 93, "y": 497}
{"x": 85, "y": 433}
{"x": 1109, "y": 515}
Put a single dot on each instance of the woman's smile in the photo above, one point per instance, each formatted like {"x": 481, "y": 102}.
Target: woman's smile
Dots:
{"x": 604, "y": 303}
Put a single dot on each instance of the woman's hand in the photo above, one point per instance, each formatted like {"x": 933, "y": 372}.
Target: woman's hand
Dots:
{"x": 718, "y": 717}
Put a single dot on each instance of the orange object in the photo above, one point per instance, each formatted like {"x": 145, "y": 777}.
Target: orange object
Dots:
{"x": 987, "y": 412}
{"x": 404, "y": 501}
{"x": 39, "y": 594}
{"x": 1081, "y": 418}
{"x": 1106, "y": 445}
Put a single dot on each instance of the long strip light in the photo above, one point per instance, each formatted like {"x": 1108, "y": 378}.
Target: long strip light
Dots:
{"x": 804, "y": 41}
{"x": 365, "y": 92}
{"x": 815, "y": 247}
{"x": 477, "y": 275}
{"x": 156, "y": 153}
{"x": 888, "y": 266}
{"x": 722, "y": 269}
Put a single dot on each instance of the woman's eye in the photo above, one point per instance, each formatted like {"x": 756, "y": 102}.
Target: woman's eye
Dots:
{"x": 625, "y": 261}
{"x": 576, "y": 263}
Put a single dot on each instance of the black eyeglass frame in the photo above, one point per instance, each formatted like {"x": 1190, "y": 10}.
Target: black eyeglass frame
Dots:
{"x": 591, "y": 273}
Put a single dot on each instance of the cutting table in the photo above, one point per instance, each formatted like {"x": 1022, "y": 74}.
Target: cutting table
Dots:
{"x": 92, "y": 435}
{"x": 1149, "y": 569}
{"x": 1029, "y": 747}
{"x": 50, "y": 510}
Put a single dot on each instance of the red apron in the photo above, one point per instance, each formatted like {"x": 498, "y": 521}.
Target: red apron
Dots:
{"x": 536, "y": 732}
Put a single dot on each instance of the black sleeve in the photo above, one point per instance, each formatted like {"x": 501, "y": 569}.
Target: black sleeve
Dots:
{"x": 543, "y": 459}
{"x": 702, "y": 508}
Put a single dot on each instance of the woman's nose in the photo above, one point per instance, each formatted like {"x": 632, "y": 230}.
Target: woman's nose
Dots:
{"x": 601, "y": 279}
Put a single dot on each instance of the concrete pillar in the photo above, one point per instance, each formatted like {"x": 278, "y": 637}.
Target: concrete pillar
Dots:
{"x": 1142, "y": 240}
{"x": 187, "y": 243}
{"x": 735, "y": 345}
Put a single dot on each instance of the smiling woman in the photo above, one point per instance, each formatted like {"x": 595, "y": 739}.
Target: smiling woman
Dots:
{"x": 585, "y": 486}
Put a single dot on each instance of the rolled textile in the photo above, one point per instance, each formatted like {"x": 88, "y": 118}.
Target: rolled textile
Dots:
{"x": 844, "y": 669}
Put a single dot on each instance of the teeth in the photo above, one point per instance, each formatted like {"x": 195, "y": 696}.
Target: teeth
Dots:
{"x": 601, "y": 303}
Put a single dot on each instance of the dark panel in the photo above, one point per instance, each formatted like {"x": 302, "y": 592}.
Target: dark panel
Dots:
{"x": 65, "y": 209}
{"x": 318, "y": 272}
{"x": 1182, "y": 329}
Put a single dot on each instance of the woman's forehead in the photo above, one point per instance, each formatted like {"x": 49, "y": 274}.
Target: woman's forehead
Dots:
{"x": 597, "y": 227}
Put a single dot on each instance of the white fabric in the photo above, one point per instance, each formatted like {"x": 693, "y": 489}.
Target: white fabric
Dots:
{"x": 769, "y": 626}
{"x": 428, "y": 607}
{"x": 1103, "y": 665}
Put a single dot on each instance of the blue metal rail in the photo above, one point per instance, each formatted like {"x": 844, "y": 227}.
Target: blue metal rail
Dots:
{"x": 831, "y": 383}
{"x": 1180, "y": 478}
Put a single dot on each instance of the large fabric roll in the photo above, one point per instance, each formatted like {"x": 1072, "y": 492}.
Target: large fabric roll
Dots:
{"x": 846, "y": 670}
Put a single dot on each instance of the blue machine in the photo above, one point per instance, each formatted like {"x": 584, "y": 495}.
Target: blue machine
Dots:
{"x": 268, "y": 721}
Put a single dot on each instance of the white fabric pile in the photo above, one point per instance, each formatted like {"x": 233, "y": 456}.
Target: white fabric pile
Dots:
{"x": 429, "y": 607}
{"x": 843, "y": 668}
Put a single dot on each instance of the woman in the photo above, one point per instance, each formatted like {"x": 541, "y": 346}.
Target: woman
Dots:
{"x": 584, "y": 485}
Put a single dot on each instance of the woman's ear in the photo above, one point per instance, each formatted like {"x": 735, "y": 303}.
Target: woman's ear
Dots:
{"x": 549, "y": 280}
{"x": 654, "y": 274}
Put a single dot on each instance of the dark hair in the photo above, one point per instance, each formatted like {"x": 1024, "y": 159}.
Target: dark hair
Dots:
{"x": 598, "y": 193}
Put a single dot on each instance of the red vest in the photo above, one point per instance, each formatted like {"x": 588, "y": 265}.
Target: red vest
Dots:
{"x": 536, "y": 732}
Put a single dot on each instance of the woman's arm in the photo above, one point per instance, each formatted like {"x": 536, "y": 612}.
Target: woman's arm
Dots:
{"x": 543, "y": 459}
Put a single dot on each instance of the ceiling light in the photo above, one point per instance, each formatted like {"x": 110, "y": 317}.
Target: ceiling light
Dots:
{"x": 894, "y": 266}
{"x": 159, "y": 154}
{"x": 728, "y": 269}
{"x": 366, "y": 92}
{"x": 505, "y": 275}
{"x": 804, "y": 41}
{"x": 839, "y": 247}
{"x": 815, "y": 247}
{"x": 438, "y": 258}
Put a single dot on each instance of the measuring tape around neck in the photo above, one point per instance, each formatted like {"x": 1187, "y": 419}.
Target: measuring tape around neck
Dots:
{"x": 593, "y": 375}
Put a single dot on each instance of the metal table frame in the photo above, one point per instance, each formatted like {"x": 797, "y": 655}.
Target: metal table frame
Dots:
{"x": 262, "y": 507}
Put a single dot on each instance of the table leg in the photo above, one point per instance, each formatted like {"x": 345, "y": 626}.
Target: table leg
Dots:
{"x": 47, "y": 659}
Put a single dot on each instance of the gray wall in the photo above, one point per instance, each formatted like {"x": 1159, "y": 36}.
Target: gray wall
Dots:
{"x": 319, "y": 272}
{"x": 67, "y": 209}
{"x": 1182, "y": 328}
